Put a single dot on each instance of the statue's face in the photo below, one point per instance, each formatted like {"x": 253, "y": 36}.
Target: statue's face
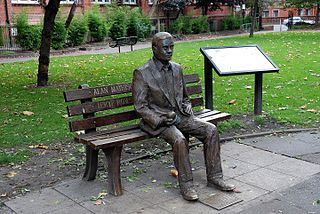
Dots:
{"x": 163, "y": 50}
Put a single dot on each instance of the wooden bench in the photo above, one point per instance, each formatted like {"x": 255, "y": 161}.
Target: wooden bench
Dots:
{"x": 131, "y": 40}
{"x": 114, "y": 105}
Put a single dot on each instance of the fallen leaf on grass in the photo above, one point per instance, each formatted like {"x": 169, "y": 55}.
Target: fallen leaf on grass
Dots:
{"x": 10, "y": 174}
{"x": 174, "y": 172}
{"x": 232, "y": 102}
{"x": 248, "y": 87}
{"x": 303, "y": 107}
{"x": 38, "y": 146}
{"x": 306, "y": 78}
{"x": 65, "y": 116}
{"x": 312, "y": 110}
{"x": 27, "y": 113}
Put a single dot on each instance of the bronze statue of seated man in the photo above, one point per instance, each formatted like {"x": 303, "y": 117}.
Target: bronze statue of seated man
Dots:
{"x": 161, "y": 99}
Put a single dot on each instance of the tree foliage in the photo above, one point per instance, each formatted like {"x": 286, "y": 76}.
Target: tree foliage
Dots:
{"x": 174, "y": 4}
{"x": 212, "y": 5}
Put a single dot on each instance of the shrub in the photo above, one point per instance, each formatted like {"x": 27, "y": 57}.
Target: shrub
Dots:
{"x": 144, "y": 28}
{"x": 59, "y": 35}
{"x": 231, "y": 23}
{"x": 182, "y": 25}
{"x": 118, "y": 27}
{"x": 29, "y": 36}
{"x": 77, "y": 31}
{"x": 132, "y": 26}
{"x": 96, "y": 26}
{"x": 200, "y": 24}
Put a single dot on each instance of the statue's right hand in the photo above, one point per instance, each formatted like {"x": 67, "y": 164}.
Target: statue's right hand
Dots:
{"x": 165, "y": 121}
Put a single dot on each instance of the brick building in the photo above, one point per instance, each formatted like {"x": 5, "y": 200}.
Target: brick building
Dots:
{"x": 35, "y": 12}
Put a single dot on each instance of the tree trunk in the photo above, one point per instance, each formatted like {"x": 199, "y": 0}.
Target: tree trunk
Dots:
{"x": 71, "y": 14}
{"x": 317, "y": 13}
{"x": 253, "y": 20}
{"x": 51, "y": 11}
{"x": 204, "y": 10}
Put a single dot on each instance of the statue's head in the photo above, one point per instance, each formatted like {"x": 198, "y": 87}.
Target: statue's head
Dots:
{"x": 162, "y": 46}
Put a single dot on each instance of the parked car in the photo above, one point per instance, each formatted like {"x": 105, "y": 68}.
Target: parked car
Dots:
{"x": 297, "y": 20}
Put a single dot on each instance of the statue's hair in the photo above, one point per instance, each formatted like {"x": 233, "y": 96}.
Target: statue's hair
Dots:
{"x": 160, "y": 36}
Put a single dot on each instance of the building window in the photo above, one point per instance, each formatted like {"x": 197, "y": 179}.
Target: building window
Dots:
{"x": 66, "y": 1}
{"x": 24, "y": 2}
{"x": 129, "y": 2}
{"x": 101, "y": 1}
{"x": 299, "y": 12}
{"x": 275, "y": 13}
{"x": 308, "y": 12}
{"x": 265, "y": 13}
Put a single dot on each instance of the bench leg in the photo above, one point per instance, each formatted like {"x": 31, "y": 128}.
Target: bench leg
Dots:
{"x": 113, "y": 156}
{"x": 91, "y": 164}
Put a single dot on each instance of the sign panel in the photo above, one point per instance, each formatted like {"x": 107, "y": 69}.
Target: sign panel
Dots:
{"x": 234, "y": 60}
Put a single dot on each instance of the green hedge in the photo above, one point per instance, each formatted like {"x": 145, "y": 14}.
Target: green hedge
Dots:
{"x": 29, "y": 36}
{"x": 59, "y": 35}
{"x": 77, "y": 31}
{"x": 97, "y": 26}
{"x": 187, "y": 25}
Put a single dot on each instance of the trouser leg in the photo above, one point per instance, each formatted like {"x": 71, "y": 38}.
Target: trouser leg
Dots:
{"x": 180, "y": 153}
{"x": 208, "y": 134}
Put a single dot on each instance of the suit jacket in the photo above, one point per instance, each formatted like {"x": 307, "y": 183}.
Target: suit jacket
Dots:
{"x": 151, "y": 99}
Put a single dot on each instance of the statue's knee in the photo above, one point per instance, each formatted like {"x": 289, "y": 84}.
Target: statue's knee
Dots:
{"x": 180, "y": 142}
{"x": 211, "y": 129}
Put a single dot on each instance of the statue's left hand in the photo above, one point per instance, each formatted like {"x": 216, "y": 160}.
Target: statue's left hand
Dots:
{"x": 188, "y": 109}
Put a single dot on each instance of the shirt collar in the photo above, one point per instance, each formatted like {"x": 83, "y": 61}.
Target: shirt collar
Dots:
{"x": 159, "y": 65}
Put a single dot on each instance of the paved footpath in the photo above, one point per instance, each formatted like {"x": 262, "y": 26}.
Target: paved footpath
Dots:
{"x": 273, "y": 174}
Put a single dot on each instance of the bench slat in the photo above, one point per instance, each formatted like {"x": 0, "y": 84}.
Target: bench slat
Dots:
{"x": 99, "y": 106}
{"x": 217, "y": 117}
{"x": 119, "y": 140}
{"x": 92, "y": 107}
{"x": 97, "y": 92}
{"x": 107, "y": 135}
{"x": 96, "y": 122}
{"x": 112, "y": 89}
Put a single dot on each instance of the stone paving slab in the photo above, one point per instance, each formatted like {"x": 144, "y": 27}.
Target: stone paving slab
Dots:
{"x": 268, "y": 179}
{"x": 292, "y": 145}
{"x": 305, "y": 195}
{"x": 296, "y": 168}
{"x": 273, "y": 207}
{"x": 44, "y": 201}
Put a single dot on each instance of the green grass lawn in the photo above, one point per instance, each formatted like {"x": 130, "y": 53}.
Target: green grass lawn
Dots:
{"x": 290, "y": 96}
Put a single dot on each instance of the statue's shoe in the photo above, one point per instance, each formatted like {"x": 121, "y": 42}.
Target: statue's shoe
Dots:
{"x": 189, "y": 194}
{"x": 220, "y": 184}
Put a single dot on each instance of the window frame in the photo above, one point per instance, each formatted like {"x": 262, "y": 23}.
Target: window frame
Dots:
{"x": 35, "y": 2}
{"x": 130, "y": 2}
{"x": 100, "y": 2}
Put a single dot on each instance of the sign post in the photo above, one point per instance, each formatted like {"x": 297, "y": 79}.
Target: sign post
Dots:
{"x": 236, "y": 60}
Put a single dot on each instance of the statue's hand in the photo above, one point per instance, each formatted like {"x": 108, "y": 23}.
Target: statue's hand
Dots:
{"x": 188, "y": 109}
{"x": 169, "y": 119}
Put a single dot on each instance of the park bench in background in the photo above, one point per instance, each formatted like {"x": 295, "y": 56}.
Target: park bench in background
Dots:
{"x": 122, "y": 41}
{"x": 114, "y": 105}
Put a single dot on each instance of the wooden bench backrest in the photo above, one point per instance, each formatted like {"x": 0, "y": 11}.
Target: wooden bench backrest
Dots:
{"x": 112, "y": 97}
